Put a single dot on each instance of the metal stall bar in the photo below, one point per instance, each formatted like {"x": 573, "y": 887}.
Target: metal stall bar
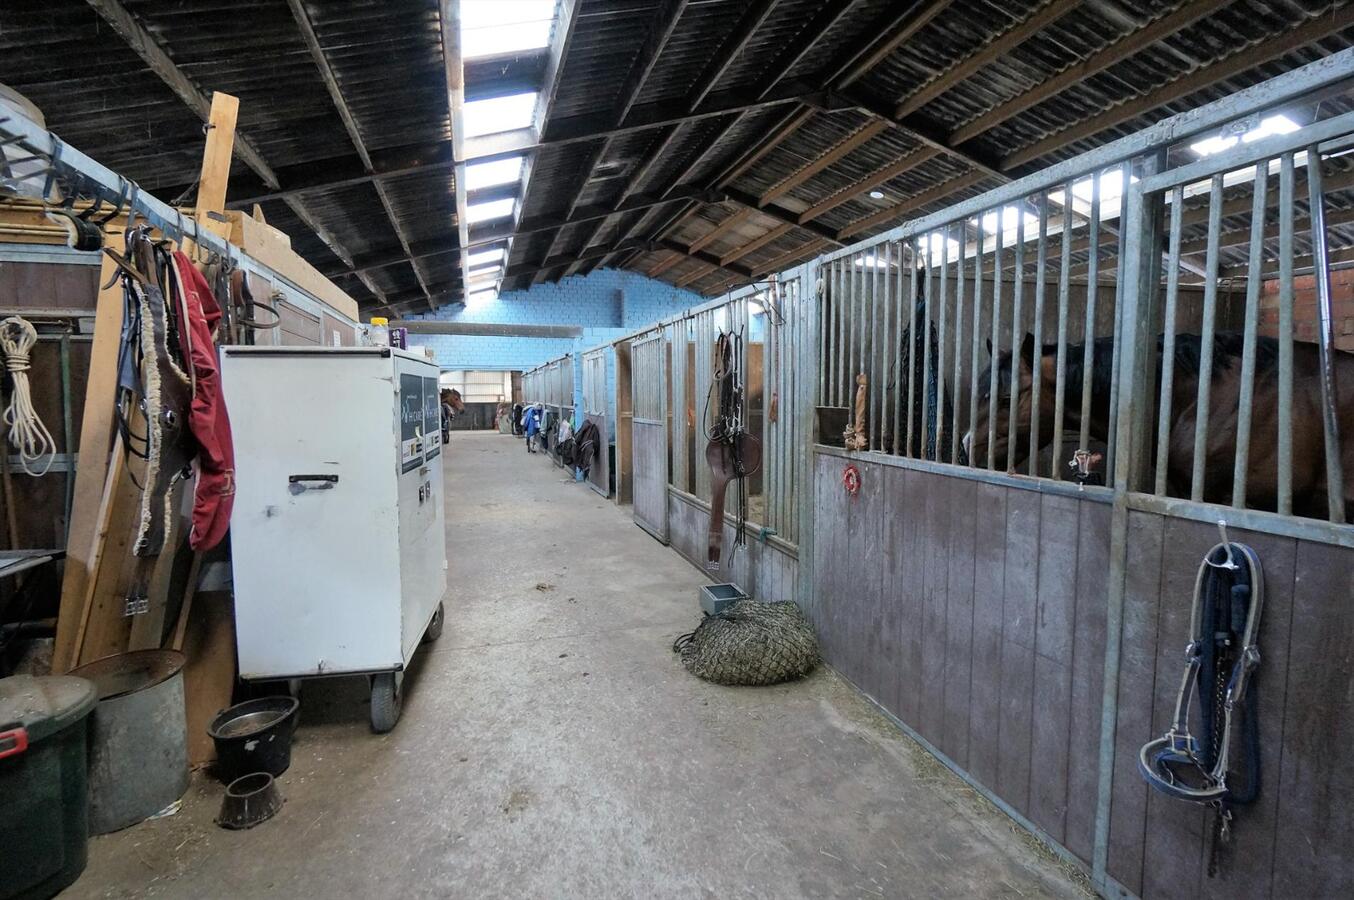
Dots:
{"x": 955, "y": 430}
{"x": 1040, "y": 288}
{"x": 1092, "y": 294}
{"x": 994, "y": 345}
{"x": 1241, "y": 463}
{"x": 1196, "y": 489}
{"x": 977, "y": 330}
{"x": 1060, "y": 377}
{"x": 1285, "y": 436}
{"x": 1330, "y": 397}
{"x": 1017, "y": 339}
{"x": 1168, "y": 339}
{"x": 917, "y": 271}
{"x": 927, "y": 263}
{"x": 941, "y": 336}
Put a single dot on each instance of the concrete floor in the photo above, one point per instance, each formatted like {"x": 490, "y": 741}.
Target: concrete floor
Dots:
{"x": 553, "y": 746}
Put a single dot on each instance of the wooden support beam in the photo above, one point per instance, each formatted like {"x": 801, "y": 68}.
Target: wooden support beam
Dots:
{"x": 215, "y": 173}
{"x": 785, "y": 260}
{"x": 321, "y": 60}
{"x": 843, "y": 148}
{"x": 915, "y": 202}
{"x": 668, "y": 262}
{"x": 870, "y": 182}
{"x": 723, "y": 228}
{"x": 694, "y": 275}
{"x": 1244, "y": 59}
{"x": 787, "y": 126}
{"x": 823, "y": 21}
{"x": 752, "y": 19}
{"x": 755, "y": 244}
{"x": 886, "y": 37}
{"x": 1187, "y": 14}
{"x": 986, "y": 55}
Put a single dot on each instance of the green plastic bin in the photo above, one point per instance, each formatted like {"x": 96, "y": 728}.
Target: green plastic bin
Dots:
{"x": 45, "y": 827}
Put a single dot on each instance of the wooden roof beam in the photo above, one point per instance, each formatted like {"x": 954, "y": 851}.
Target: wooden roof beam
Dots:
{"x": 1187, "y": 14}
{"x": 728, "y": 52}
{"x": 1242, "y": 60}
{"x": 843, "y": 148}
{"x": 756, "y": 244}
{"x": 728, "y": 224}
{"x": 884, "y": 39}
{"x": 917, "y": 201}
{"x": 985, "y": 55}
{"x": 312, "y": 42}
{"x": 125, "y": 25}
{"x": 870, "y": 182}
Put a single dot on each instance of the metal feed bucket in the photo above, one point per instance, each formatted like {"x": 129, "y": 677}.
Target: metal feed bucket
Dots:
{"x": 138, "y": 746}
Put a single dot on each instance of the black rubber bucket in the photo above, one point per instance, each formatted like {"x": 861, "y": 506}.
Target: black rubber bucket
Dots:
{"x": 254, "y": 736}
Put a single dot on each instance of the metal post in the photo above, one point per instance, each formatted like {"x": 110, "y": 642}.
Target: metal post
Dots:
{"x": 1330, "y": 396}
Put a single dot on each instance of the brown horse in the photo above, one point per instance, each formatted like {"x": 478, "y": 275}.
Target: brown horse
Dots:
{"x": 1309, "y": 464}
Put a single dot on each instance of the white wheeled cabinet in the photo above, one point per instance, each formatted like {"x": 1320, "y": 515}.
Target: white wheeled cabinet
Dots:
{"x": 338, "y": 546}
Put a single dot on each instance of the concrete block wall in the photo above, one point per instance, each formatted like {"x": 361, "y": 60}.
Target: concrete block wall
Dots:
{"x": 607, "y": 303}
{"x": 1306, "y": 319}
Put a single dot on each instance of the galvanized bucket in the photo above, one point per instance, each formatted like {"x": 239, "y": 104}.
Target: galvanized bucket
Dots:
{"x": 138, "y": 745}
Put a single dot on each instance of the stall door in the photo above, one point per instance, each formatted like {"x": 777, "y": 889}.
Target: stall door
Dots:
{"x": 650, "y": 435}
{"x": 595, "y": 411}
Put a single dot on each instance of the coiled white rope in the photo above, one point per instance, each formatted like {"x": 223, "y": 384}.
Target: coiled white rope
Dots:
{"x": 26, "y": 431}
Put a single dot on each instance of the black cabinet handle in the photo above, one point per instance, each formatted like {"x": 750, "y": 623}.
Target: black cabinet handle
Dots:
{"x": 297, "y": 483}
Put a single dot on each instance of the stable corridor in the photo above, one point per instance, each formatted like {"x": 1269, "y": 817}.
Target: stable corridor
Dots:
{"x": 553, "y": 746}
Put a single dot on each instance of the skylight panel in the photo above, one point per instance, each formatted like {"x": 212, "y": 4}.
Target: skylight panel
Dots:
{"x": 495, "y": 27}
{"x": 490, "y": 174}
{"x": 1010, "y": 218}
{"x": 479, "y": 117}
{"x": 480, "y": 257}
{"x": 493, "y": 209}
{"x": 1277, "y": 124}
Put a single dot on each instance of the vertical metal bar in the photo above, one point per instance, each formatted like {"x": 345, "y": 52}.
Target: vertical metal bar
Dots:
{"x": 993, "y": 400}
{"x": 1064, "y": 289}
{"x": 955, "y": 430}
{"x": 941, "y": 336}
{"x": 1241, "y": 464}
{"x": 1040, "y": 288}
{"x": 910, "y": 304}
{"x": 927, "y": 427}
{"x": 1092, "y": 292}
{"x": 1330, "y": 396}
{"x": 895, "y": 338}
{"x": 1196, "y": 490}
{"x": 1285, "y": 436}
{"x": 876, "y": 383}
{"x": 977, "y": 332}
{"x": 1168, "y": 339}
{"x": 834, "y": 333}
{"x": 1017, "y": 324}
{"x": 1125, "y": 182}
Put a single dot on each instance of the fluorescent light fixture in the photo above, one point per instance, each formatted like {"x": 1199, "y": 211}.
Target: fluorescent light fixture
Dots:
{"x": 1278, "y": 124}
{"x": 1010, "y": 218}
{"x": 493, "y": 27}
{"x": 479, "y": 117}
{"x": 492, "y": 209}
{"x": 480, "y": 257}
{"x": 876, "y": 195}
{"x": 490, "y": 174}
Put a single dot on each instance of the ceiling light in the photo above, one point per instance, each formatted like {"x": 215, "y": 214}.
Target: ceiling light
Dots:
{"x": 489, "y": 174}
{"x": 484, "y": 256}
{"x": 1271, "y": 125}
{"x": 493, "y": 27}
{"x": 876, "y": 195}
{"x": 492, "y": 209}
{"x": 497, "y": 114}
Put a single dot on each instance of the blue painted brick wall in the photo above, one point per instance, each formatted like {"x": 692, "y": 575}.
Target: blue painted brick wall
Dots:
{"x": 607, "y": 303}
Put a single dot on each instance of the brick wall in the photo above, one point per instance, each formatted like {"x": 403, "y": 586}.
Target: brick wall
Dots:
{"x": 1305, "y": 320}
{"x": 607, "y": 303}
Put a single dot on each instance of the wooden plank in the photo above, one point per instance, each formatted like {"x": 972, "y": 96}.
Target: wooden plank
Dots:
{"x": 896, "y": 590}
{"x": 211, "y": 191}
{"x": 912, "y": 687}
{"x": 1136, "y": 692}
{"x": 869, "y": 513}
{"x": 1017, "y": 647}
{"x": 1311, "y": 850}
{"x": 96, "y": 435}
{"x": 105, "y": 629}
{"x": 209, "y": 676}
{"x": 989, "y": 563}
{"x": 935, "y": 539}
{"x": 962, "y": 553}
{"x": 1247, "y": 863}
{"x": 1054, "y": 628}
{"x": 1088, "y": 677}
{"x": 1173, "y": 849}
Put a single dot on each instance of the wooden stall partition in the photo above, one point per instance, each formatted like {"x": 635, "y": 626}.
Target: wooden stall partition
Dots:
{"x": 650, "y": 434}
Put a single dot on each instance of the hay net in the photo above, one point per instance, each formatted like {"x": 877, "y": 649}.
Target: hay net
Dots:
{"x": 751, "y": 642}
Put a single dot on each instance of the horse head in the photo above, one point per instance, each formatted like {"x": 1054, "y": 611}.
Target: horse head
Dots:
{"x": 1014, "y": 374}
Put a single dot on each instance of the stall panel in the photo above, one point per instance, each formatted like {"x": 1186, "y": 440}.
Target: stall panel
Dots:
{"x": 650, "y": 434}
{"x": 595, "y": 412}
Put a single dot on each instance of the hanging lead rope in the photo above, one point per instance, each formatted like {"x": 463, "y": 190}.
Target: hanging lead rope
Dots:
{"x": 26, "y": 431}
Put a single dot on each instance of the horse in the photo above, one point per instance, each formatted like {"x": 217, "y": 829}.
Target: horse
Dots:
{"x": 1262, "y": 488}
